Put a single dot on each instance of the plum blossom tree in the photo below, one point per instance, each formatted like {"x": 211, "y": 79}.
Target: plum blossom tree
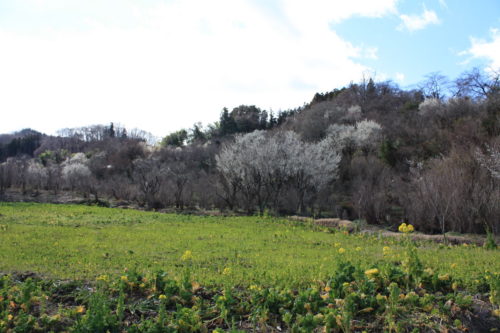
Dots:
{"x": 490, "y": 160}
{"x": 76, "y": 172}
{"x": 36, "y": 175}
{"x": 260, "y": 166}
{"x": 348, "y": 138}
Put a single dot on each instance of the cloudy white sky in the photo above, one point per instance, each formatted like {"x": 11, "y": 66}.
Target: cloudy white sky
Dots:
{"x": 162, "y": 65}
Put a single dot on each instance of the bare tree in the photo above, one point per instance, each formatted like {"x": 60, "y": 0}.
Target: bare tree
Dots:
{"x": 435, "y": 85}
{"x": 5, "y": 177}
{"x": 370, "y": 188}
{"x": 149, "y": 176}
{"x": 436, "y": 191}
{"x": 477, "y": 84}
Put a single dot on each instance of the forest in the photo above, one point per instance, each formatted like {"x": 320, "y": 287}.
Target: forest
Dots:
{"x": 371, "y": 151}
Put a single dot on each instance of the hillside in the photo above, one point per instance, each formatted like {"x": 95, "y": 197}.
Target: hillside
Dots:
{"x": 369, "y": 151}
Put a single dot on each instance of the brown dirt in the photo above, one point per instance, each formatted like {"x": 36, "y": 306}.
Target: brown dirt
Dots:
{"x": 350, "y": 226}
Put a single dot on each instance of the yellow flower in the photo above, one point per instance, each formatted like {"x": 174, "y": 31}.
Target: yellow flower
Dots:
{"x": 336, "y": 244}
{"x": 188, "y": 255}
{"x": 386, "y": 250}
{"x": 226, "y": 271}
{"x": 327, "y": 289}
{"x": 124, "y": 278}
{"x": 404, "y": 228}
{"x": 162, "y": 297}
{"x": 454, "y": 286}
{"x": 104, "y": 278}
{"x": 444, "y": 277}
{"x": 454, "y": 265}
{"x": 319, "y": 317}
{"x": 55, "y": 317}
{"x": 358, "y": 248}
{"x": 10, "y": 317}
{"x": 80, "y": 309}
{"x": 341, "y": 250}
{"x": 371, "y": 273}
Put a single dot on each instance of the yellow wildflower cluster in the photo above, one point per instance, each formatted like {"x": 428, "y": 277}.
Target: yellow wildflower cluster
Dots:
{"x": 406, "y": 228}
{"x": 341, "y": 250}
{"x": 444, "y": 277}
{"x": 226, "y": 271}
{"x": 104, "y": 278}
{"x": 371, "y": 273}
{"x": 386, "y": 250}
{"x": 188, "y": 255}
{"x": 162, "y": 297}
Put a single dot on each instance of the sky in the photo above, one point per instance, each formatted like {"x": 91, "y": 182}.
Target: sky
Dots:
{"x": 162, "y": 65}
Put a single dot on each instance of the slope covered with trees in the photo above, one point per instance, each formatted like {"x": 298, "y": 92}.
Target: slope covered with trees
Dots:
{"x": 371, "y": 151}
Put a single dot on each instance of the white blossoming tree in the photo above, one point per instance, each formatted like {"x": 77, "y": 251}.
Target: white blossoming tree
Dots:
{"x": 260, "y": 166}
{"x": 36, "y": 175}
{"x": 363, "y": 135}
{"x": 490, "y": 160}
{"x": 76, "y": 173}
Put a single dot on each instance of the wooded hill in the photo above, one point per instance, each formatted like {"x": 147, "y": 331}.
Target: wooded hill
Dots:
{"x": 429, "y": 156}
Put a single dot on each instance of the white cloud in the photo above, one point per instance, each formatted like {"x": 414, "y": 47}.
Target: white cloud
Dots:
{"x": 370, "y": 53}
{"x": 400, "y": 77}
{"x": 418, "y": 22}
{"x": 443, "y": 4}
{"x": 178, "y": 63}
{"x": 489, "y": 50}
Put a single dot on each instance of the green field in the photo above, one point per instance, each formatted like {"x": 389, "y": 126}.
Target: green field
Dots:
{"x": 84, "y": 243}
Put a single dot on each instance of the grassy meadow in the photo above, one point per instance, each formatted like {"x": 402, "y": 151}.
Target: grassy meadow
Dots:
{"x": 82, "y": 242}
{"x": 142, "y": 253}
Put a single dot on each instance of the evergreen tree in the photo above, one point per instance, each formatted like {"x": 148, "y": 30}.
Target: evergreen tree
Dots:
{"x": 227, "y": 125}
